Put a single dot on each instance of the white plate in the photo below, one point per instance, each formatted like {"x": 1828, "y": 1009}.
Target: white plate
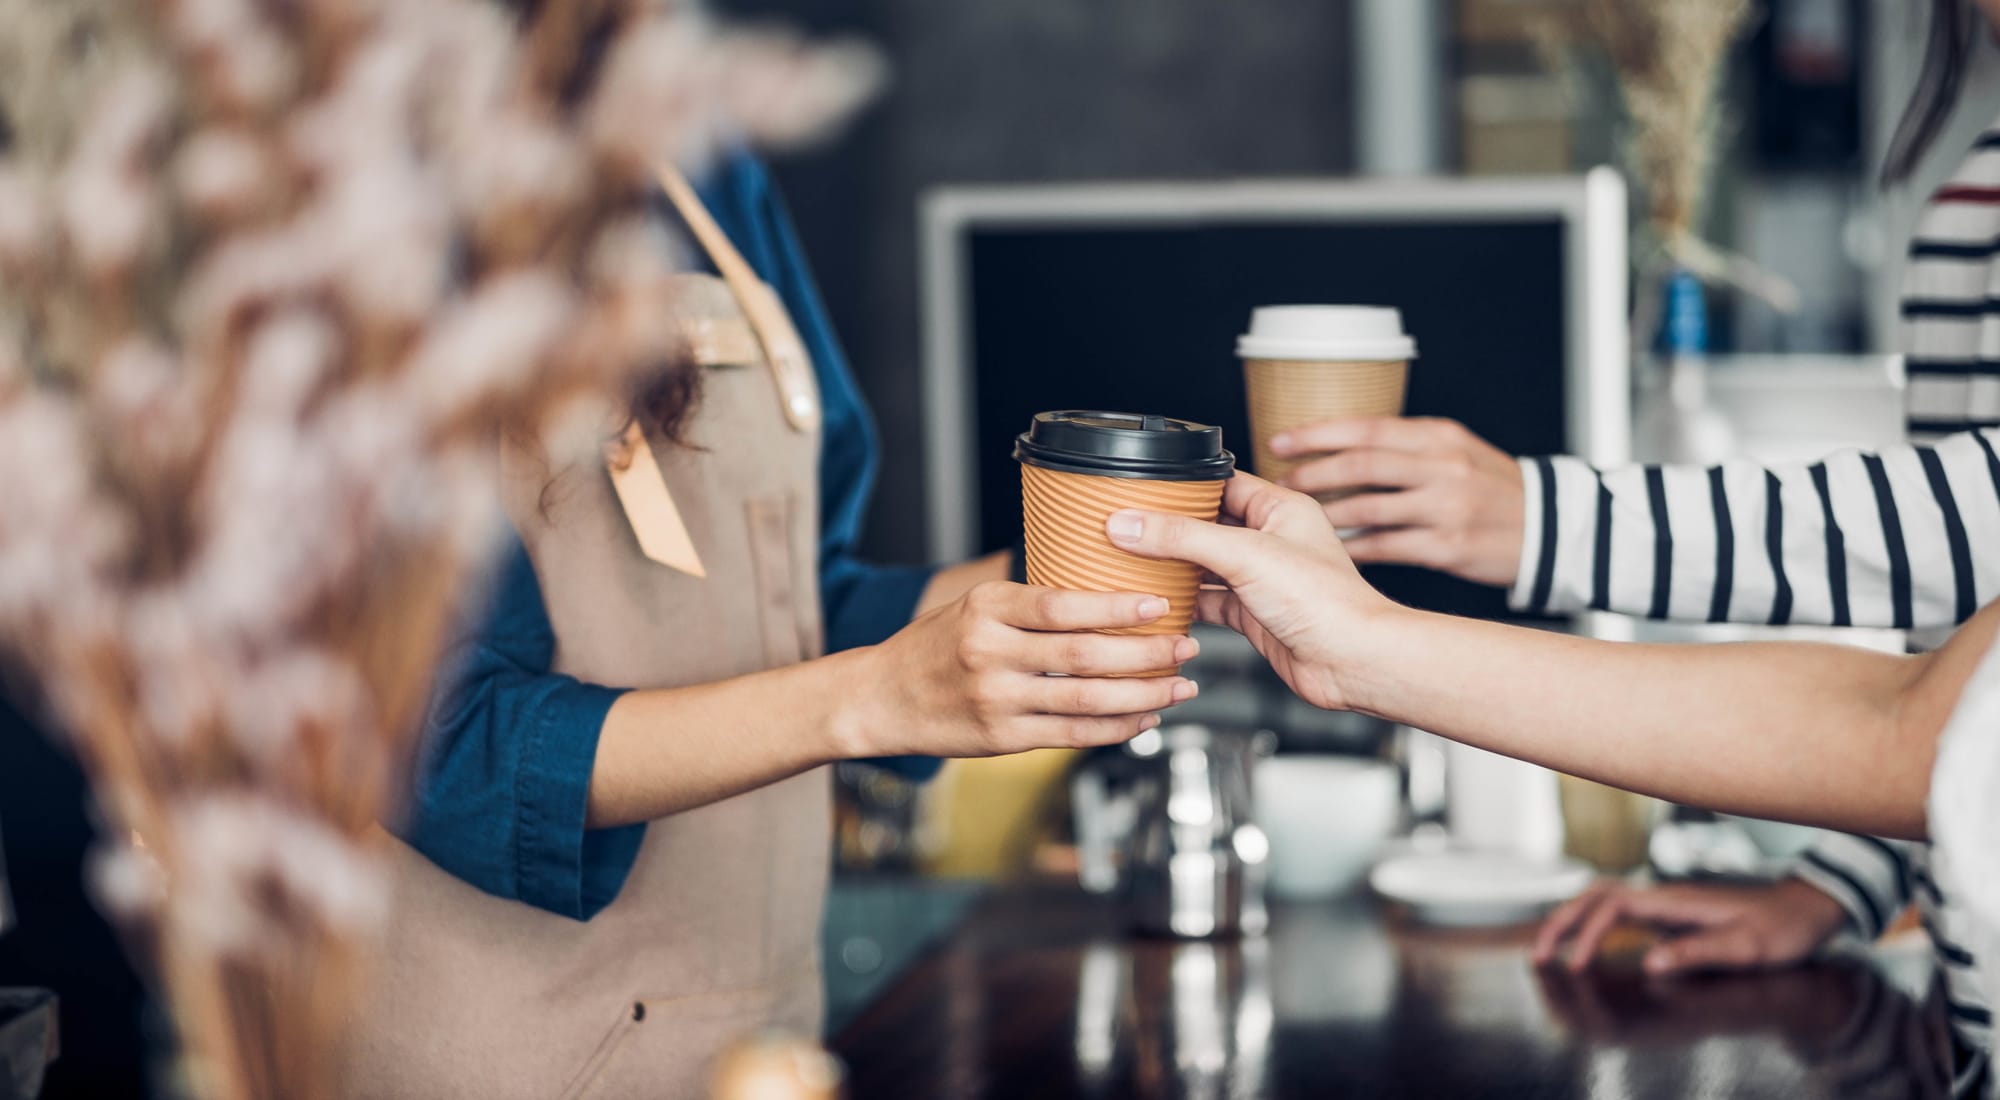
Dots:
{"x": 1477, "y": 889}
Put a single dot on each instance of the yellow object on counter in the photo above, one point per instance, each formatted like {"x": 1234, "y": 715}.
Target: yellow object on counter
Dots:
{"x": 777, "y": 1068}
{"x": 983, "y": 818}
{"x": 1606, "y": 827}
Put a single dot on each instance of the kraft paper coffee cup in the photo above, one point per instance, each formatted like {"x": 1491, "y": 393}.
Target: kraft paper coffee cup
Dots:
{"x": 1079, "y": 466}
{"x": 1308, "y": 364}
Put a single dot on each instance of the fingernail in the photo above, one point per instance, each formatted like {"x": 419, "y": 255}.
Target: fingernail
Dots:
{"x": 1185, "y": 690}
{"x": 1151, "y": 721}
{"x": 1152, "y": 607}
{"x": 1187, "y": 649}
{"x": 1281, "y": 442}
{"x": 1125, "y": 526}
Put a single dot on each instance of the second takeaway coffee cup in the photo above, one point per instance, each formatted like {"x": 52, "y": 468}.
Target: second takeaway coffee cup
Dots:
{"x": 1078, "y": 467}
{"x": 1308, "y": 364}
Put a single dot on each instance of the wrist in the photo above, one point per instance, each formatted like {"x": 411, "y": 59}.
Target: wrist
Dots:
{"x": 1512, "y": 548}
{"x": 854, "y": 682}
{"x": 1365, "y": 667}
{"x": 1815, "y": 907}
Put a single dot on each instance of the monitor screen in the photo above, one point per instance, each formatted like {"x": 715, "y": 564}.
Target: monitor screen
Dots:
{"x": 1144, "y": 318}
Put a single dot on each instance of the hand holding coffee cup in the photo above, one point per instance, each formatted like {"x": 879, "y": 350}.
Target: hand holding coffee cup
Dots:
{"x": 1305, "y": 365}
{"x": 1078, "y": 467}
{"x": 1420, "y": 491}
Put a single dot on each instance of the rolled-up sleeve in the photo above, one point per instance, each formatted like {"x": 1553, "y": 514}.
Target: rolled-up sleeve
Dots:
{"x": 503, "y": 783}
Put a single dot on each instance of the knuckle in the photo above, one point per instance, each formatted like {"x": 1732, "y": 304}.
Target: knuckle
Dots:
{"x": 986, "y": 597}
{"x": 1080, "y": 735}
{"x": 995, "y": 739}
{"x": 1077, "y": 698}
{"x": 1451, "y": 547}
{"x": 972, "y": 647}
{"x": 974, "y": 691}
{"x": 1048, "y": 605}
{"x": 985, "y": 694}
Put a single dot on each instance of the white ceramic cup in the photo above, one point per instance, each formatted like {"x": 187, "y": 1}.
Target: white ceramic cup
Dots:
{"x": 1327, "y": 818}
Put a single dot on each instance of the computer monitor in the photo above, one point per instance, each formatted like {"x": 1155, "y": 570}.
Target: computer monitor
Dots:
{"x": 1129, "y": 297}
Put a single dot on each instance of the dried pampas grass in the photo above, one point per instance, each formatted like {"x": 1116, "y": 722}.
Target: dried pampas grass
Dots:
{"x": 1667, "y": 60}
{"x": 274, "y": 275}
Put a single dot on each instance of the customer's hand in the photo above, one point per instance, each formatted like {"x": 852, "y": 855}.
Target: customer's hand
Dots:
{"x": 1428, "y": 492}
{"x": 972, "y": 678}
{"x": 1291, "y": 589}
{"x": 1708, "y": 927}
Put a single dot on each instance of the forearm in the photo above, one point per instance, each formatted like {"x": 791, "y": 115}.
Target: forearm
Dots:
{"x": 1825, "y": 735}
{"x": 1809, "y": 733}
{"x": 665, "y": 751}
{"x": 1003, "y": 669}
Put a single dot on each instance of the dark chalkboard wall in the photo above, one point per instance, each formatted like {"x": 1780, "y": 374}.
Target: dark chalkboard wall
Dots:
{"x": 1146, "y": 319}
{"x": 989, "y": 91}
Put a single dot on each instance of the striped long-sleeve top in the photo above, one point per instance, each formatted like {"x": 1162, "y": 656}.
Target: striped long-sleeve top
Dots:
{"x": 1907, "y": 537}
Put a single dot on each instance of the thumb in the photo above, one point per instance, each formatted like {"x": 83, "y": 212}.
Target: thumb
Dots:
{"x": 1729, "y": 948}
{"x": 1228, "y": 552}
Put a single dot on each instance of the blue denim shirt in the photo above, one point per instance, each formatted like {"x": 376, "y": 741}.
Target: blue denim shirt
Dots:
{"x": 504, "y": 776}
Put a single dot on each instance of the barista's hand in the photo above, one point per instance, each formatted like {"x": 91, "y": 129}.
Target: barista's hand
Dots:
{"x": 1707, "y": 927}
{"x": 971, "y": 677}
{"x": 1430, "y": 493}
{"x": 1291, "y": 589}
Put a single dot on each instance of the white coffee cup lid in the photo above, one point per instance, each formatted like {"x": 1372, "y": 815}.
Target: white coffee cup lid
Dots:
{"x": 1361, "y": 333}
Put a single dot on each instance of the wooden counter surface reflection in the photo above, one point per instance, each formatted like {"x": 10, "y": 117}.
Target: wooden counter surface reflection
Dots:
{"x": 1040, "y": 995}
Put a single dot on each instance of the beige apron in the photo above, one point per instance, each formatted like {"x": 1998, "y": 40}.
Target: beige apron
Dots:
{"x": 715, "y": 935}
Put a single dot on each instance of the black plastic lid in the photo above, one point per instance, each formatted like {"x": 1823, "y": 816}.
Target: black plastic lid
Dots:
{"x": 1110, "y": 444}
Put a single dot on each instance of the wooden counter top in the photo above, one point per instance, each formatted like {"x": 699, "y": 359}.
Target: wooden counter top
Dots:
{"x": 1040, "y": 994}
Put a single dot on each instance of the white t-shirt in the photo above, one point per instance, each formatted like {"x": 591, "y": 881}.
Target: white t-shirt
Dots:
{"x": 1965, "y": 819}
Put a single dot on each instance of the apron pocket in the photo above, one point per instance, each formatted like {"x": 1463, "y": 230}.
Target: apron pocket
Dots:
{"x": 778, "y": 594}
{"x": 630, "y": 1017}
{"x": 665, "y": 1048}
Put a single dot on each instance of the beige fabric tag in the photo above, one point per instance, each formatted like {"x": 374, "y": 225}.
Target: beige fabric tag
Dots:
{"x": 649, "y": 506}
{"x": 721, "y": 341}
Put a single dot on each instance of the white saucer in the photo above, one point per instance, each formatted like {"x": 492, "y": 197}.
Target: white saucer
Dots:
{"x": 1478, "y": 889}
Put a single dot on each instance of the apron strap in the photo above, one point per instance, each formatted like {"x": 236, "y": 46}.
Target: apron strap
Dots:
{"x": 784, "y": 350}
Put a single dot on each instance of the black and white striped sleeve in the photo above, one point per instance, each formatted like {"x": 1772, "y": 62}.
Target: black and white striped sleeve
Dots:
{"x": 1904, "y": 537}
{"x": 1869, "y": 877}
